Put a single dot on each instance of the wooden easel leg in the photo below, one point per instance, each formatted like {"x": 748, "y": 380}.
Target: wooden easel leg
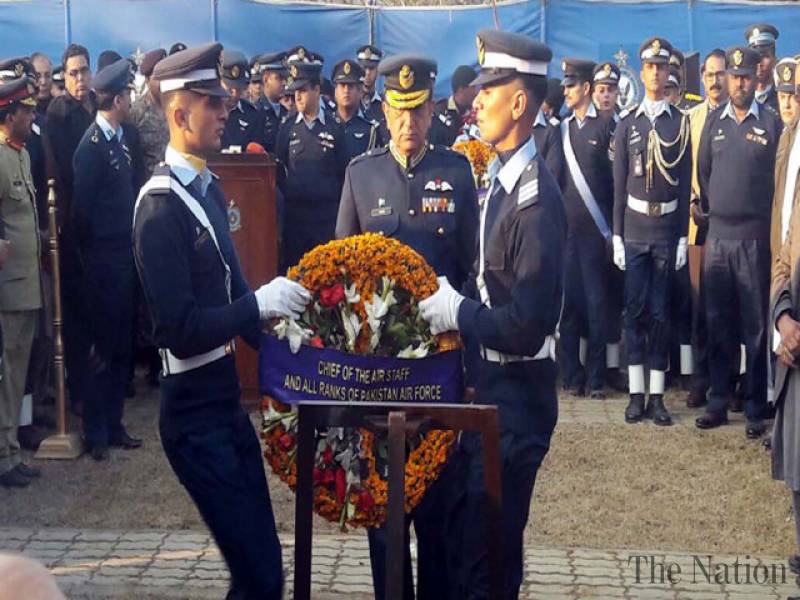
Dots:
{"x": 303, "y": 506}
{"x": 490, "y": 440}
{"x": 396, "y": 514}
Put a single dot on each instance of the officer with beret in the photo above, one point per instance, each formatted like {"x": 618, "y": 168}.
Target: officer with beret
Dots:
{"x": 200, "y": 302}
{"x": 784, "y": 85}
{"x": 547, "y": 135}
{"x": 245, "y": 121}
{"x": 652, "y": 179}
{"x": 424, "y": 196}
{"x": 605, "y": 88}
{"x": 761, "y": 37}
{"x": 369, "y": 57}
{"x": 513, "y": 306}
{"x": 272, "y": 72}
{"x": 360, "y": 135}
{"x": 588, "y": 193}
{"x": 311, "y": 149}
{"x": 736, "y": 162}
{"x": 102, "y": 214}
{"x": 449, "y": 115}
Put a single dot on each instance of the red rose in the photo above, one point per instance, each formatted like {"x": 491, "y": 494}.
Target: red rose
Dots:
{"x": 286, "y": 441}
{"x": 328, "y": 477}
{"x": 331, "y": 296}
{"x": 316, "y": 342}
{"x": 341, "y": 485}
{"x": 327, "y": 456}
{"x": 317, "y": 474}
{"x": 365, "y": 501}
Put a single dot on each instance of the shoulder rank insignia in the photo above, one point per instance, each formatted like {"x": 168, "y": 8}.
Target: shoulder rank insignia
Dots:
{"x": 95, "y": 138}
{"x": 528, "y": 191}
{"x": 554, "y": 122}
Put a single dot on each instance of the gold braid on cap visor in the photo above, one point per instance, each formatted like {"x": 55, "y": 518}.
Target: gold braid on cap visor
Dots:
{"x": 397, "y": 99}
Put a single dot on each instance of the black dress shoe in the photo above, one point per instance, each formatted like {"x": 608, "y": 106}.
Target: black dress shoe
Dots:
{"x": 14, "y": 479}
{"x": 755, "y": 429}
{"x": 635, "y": 409}
{"x": 794, "y": 564}
{"x": 29, "y": 470}
{"x": 598, "y": 394}
{"x": 99, "y": 453}
{"x": 123, "y": 440}
{"x": 657, "y": 411}
{"x": 711, "y": 420}
{"x": 696, "y": 398}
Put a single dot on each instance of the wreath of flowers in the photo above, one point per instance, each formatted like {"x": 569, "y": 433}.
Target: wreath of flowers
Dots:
{"x": 479, "y": 154}
{"x": 365, "y": 290}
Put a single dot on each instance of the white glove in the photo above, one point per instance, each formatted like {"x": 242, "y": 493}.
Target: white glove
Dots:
{"x": 282, "y": 297}
{"x": 681, "y": 253}
{"x": 441, "y": 309}
{"x": 619, "y": 252}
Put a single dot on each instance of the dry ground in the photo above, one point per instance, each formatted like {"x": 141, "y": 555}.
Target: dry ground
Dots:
{"x": 603, "y": 485}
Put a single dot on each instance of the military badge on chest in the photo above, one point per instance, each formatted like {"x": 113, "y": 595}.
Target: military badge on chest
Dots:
{"x": 234, "y": 217}
{"x": 757, "y": 136}
{"x": 438, "y": 203}
{"x": 381, "y": 210}
{"x": 326, "y": 140}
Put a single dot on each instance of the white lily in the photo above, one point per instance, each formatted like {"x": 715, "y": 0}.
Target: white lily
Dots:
{"x": 351, "y": 294}
{"x": 409, "y": 351}
{"x": 352, "y": 327}
{"x": 289, "y": 329}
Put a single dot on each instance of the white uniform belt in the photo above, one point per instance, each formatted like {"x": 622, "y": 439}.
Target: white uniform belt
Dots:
{"x": 174, "y": 365}
{"x": 652, "y": 209}
{"x": 548, "y": 350}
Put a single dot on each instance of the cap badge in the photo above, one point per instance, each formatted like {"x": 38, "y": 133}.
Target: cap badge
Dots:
{"x": 563, "y": 65}
{"x": 787, "y": 73}
{"x": 737, "y": 58}
{"x": 755, "y": 33}
{"x": 293, "y": 71}
{"x": 406, "y": 77}
{"x": 19, "y": 69}
{"x": 289, "y": 81}
{"x": 301, "y": 53}
{"x": 346, "y": 68}
{"x": 607, "y": 69}
{"x": 656, "y": 46}
{"x": 235, "y": 72}
{"x": 481, "y": 50}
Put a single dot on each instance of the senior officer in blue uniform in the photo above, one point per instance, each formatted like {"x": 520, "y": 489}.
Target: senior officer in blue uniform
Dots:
{"x": 311, "y": 148}
{"x": 515, "y": 302}
{"x": 360, "y": 134}
{"x": 652, "y": 178}
{"x": 104, "y": 193}
{"x": 761, "y": 38}
{"x": 735, "y": 165}
{"x": 245, "y": 122}
{"x": 273, "y": 74}
{"x": 423, "y": 196}
{"x": 200, "y": 302}
{"x": 589, "y": 199}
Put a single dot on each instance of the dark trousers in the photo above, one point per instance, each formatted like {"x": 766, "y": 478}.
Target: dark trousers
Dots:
{"x": 108, "y": 314}
{"x": 680, "y": 318}
{"x": 585, "y": 309}
{"x": 615, "y": 288}
{"x": 736, "y": 282}
{"x": 220, "y": 465}
{"x": 75, "y": 342}
{"x": 699, "y": 328}
{"x": 520, "y": 457}
{"x": 435, "y": 552}
{"x": 649, "y": 269}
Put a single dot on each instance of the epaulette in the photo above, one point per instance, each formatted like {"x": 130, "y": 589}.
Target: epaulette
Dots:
{"x": 369, "y": 154}
{"x": 446, "y": 151}
{"x": 627, "y": 111}
{"x": 554, "y": 122}
{"x": 528, "y": 191}
{"x": 95, "y": 136}
{"x": 161, "y": 175}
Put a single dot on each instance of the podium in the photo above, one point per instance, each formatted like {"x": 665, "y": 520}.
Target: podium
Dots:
{"x": 248, "y": 183}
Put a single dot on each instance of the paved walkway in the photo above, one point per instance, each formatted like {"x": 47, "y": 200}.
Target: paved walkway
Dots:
{"x": 160, "y": 564}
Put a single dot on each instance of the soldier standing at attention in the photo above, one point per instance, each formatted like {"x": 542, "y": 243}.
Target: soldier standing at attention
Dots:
{"x": 200, "y": 302}
{"x": 102, "y": 215}
{"x": 762, "y": 38}
{"x": 513, "y": 306}
{"x": 652, "y": 179}
{"x": 273, "y": 78}
{"x": 359, "y": 134}
{"x": 371, "y": 102}
{"x": 245, "y": 121}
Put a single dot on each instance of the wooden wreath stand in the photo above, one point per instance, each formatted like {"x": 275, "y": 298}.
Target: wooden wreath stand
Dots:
{"x": 401, "y": 419}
